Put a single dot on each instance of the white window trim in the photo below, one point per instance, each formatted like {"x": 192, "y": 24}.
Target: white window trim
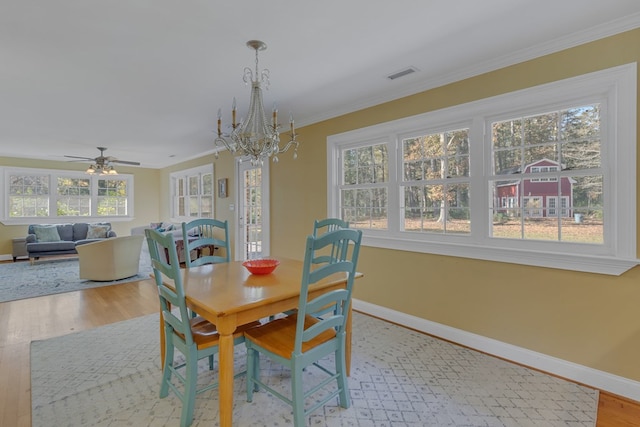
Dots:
{"x": 185, "y": 173}
{"x": 616, "y": 87}
{"x": 54, "y": 173}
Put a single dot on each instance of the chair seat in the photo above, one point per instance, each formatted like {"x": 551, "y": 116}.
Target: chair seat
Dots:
{"x": 206, "y": 335}
{"x": 278, "y": 336}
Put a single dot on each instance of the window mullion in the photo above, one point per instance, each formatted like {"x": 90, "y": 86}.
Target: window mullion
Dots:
{"x": 395, "y": 178}
{"x": 480, "y": 164}
{"x": 53, "y": 194}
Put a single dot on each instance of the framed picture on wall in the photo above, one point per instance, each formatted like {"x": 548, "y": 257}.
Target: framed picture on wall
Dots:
{"x": 222, "y": 188}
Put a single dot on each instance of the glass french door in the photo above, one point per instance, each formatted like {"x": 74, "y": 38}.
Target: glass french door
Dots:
{"x": 252, "y": 233}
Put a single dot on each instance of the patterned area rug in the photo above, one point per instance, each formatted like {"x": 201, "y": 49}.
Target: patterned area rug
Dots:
{"x": 110, "y": 376}
{"x": 20, "y": 280}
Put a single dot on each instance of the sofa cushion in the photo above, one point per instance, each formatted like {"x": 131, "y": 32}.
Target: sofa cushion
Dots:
{"x": 46, "y": 233}
{"x": 80, "y": 230}
{"x": 97, "y": 231}
{"x": 65, "y": 231}
{"x": 61, "y": 245}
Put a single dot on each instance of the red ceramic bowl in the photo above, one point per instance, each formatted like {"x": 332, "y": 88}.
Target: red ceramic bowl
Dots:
{"x": 261, "y": 266}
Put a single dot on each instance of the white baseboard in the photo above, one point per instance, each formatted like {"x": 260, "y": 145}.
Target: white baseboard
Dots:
{"x": 6, "y": 257}
{"x": 572, "y": 371}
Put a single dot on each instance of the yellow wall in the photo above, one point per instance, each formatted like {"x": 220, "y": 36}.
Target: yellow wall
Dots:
{"x": 584, "y": 318}
{"x": 588, "y": 319}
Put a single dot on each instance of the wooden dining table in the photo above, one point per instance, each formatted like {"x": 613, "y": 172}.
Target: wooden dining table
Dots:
{"x": 229, "y": 296}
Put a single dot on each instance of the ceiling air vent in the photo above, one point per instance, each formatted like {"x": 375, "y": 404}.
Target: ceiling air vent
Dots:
{"x": 402, "y": 73}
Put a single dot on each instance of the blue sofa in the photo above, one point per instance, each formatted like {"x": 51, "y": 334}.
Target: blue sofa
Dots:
{"x": 61, "y": 239}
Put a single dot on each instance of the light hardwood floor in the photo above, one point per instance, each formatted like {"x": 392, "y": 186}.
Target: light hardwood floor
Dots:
{"x": 44, "y": 317}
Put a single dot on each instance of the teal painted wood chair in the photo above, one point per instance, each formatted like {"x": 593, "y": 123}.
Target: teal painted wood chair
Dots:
{"x": 321, "y": 226}
{"x": 302, "y": 340}
{"x": 196, "y": 338}
{"x": 201, "y": 234}
{"x": 205, "y": 233}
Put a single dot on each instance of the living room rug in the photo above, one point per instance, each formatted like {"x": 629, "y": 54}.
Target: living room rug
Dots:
{"x": 20, "y": 280}
{"x": 110, "y": 376}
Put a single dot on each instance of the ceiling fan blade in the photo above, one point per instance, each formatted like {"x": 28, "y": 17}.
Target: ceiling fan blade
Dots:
{"x": 81, "y": 158}
{"x": 102, "y": 159}
{"x": 124, "y": 162}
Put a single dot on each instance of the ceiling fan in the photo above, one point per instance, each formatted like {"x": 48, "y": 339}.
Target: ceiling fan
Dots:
{"x": 102, "y": 163}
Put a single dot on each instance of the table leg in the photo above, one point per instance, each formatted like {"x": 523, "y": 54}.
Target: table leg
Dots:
{"x": 225, "y": 374}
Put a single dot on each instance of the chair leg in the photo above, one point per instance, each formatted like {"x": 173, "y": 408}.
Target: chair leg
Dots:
{"x": 297, "y": 395}
{"x": 256, "y": 370}
{"x": 251, "y": 356}
{"x": 341, "y": 370}
{"x": 191, "y": 376}
{"x": 166, "y": 370}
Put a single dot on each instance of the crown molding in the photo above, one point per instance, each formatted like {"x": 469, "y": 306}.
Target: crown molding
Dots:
{"x": 450, "y": 76}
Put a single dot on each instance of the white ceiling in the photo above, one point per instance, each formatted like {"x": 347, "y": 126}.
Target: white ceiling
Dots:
{"x": 146, "y": 78}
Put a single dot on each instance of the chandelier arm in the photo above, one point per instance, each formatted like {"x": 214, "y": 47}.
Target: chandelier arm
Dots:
{"x": 248, "y": 75}
{"x": 288, "y": 145}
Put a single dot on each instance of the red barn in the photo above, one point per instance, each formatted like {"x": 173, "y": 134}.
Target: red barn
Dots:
{"x": 541, "y": 197}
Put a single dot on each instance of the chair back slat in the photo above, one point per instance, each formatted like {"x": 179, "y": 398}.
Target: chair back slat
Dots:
{"x": 322, "y": 226}
{"x": 330, "y": 298}
{"x": 326, "y": 270}
{"x": 206, "y": 232}
{"x": 332, "y": 322}
{"x": 348, "y": 241}
{"x": 172, "y": 303}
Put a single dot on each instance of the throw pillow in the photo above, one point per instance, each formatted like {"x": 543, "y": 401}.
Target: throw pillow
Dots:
{"x": 46, "y": 233}
{"x": 97, "y": 231}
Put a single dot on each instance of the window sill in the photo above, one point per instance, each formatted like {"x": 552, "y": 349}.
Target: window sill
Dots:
{"x": 575, "y": 262}
{"x": 61, "y": 220}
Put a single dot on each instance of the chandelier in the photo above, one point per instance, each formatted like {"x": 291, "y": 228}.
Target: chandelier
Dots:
{"x": 101, "y": 168}
{"x": 256, "y": 137}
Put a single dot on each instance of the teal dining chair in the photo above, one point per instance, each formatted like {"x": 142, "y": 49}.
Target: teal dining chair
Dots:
{"x": 202, "y": 233}
{"x": 205, "y": 233}
{"x": 196, "y": 338}
{"x": 303, "y": 340}
{"x": 321, "y": 226}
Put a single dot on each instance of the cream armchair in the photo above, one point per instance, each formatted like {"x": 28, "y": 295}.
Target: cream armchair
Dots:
{"x": 111, "y": 259}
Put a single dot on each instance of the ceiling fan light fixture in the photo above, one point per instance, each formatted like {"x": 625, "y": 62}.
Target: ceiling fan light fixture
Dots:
{"x": 101, "y": 169}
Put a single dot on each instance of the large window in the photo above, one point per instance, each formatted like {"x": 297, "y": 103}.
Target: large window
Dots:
{"x": 364, "y": 186}
{"x": 543, "y": 176}
{"x": 192, "y": 194}
{"x": 544, "y": 158}
{"x": 435, "y": 182}
{"x": 37, "y": 195}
